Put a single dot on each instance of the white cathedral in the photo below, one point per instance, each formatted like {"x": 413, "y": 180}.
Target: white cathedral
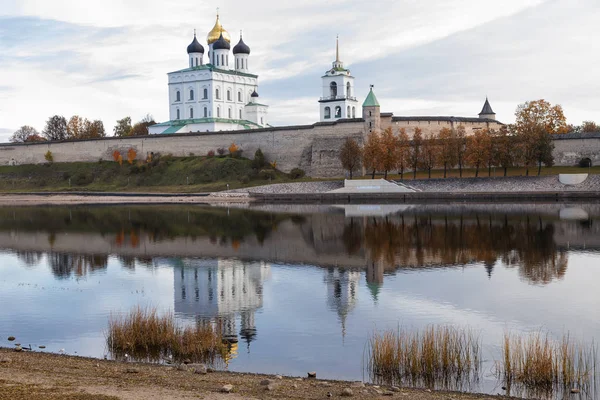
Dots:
{"x": 221, "y": 95}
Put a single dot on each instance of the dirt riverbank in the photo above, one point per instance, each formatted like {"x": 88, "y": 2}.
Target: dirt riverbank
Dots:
{"x": 36, "y": 376}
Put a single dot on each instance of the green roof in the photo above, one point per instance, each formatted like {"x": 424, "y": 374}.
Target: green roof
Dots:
{"x": 371, "y": 100}
{"x": 211, "y": 68}
{"x": 176, "y": 125}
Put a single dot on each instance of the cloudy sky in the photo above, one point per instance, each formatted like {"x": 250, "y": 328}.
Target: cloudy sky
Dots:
{"x": 108, "y": 59}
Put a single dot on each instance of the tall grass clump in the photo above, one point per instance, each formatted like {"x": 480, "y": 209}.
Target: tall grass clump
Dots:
{"x": 537, "y": 362}
{"x": 143, "y": 334}
{"x": 435, "y": 355}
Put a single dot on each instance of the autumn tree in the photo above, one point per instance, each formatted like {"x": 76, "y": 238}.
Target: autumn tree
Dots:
{"x": 459, "y": 146}
{"x": 350, "y": 156}
{"x": 56, "y": 128}
{"x": 415, "y": 151}
{"x": 403, "y": 151}
{"x": 75, "y": 127}
{"x": 492, "y": 156}
{"x": 371, "y": 153}
{"x": 35, "y": 138}
{"x": 535, "y": 122}
{"x": 93, "y": 129}
{"x": 507, "y": 150}
{"x": 429, "y": 153}
{"x": 131, "y": 155}
{"x": 234, "y": 150}
{"x": 447, "y": 154}
{"x": 23, "y": 134}
{"x": 478, "y": 148}
{"x": 589, "y": 127}
{"x": 389, "y": 151}
{"x": 141, "y": 128}
{"x": 123, "y": 127}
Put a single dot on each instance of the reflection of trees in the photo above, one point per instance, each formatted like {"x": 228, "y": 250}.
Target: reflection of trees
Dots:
{"x": 417, "y": 241}
{"x": 30, "y": 258}
{"x": 63, "y": 265}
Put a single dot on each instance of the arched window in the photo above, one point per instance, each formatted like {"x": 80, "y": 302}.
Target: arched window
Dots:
{"x": 178, "y": 96}
{"x": 205, "y": 112}
{"x": 242, "y": 63}
{"x": 333, "y": 89}
{"x": 218, "y": 94}
{"x": 218, "y": 112}
{"x": 240, "y": 114}
{"x": 191, "y": 113}
{"x": 205, "y": 93}
{"x": 369, "y": 113}
{"x": 237, "y": 63}
{"x": 353, "y": 112}
{"x": 222, "y": 59}
{"x": 338, "y": 112}
{"x": 178, "y": 116}
{"x": 227, "y": 60}
{"x": 348, "y": 113}
{"x": 327, "y": 112}
{"x": 240, "y": 96}
{"x": 262, "y": 122}
{"x": 229, "y": 113}
{"x": 348, "y": 90}
{"x": 228, "y": 94}
{"x": 196, "y": 61}
{"x": 191, "y": 94}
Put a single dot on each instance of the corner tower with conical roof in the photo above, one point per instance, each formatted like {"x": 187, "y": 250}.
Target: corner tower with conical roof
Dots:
{"x": 338, "y": 100}
{"x": 486, "y": 111}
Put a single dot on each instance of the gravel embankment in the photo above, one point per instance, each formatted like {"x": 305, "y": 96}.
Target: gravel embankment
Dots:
{"x": 513, "y": 184}
{"x": 296, "y": 187}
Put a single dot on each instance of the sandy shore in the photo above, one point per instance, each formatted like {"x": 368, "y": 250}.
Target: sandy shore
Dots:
{"x": 33, "y": 376}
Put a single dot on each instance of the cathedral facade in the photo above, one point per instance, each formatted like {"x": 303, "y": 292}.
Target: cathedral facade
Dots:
{"x": 216, "y": 94}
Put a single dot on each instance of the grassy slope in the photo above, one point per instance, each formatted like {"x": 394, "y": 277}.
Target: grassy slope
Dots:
{"x": 183, "y": 175}
{"x": 188, "y": 174}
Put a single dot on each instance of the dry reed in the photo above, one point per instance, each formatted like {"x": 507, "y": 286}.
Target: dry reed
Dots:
{"x": 436, "y": 355}
{"x": 143, "y": 334}
{"x": 539, "y": 363}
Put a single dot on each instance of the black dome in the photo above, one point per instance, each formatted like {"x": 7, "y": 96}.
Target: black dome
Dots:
{"x": 254, "y": 94}
{"x": 221, "y": 44}
{"x": 195, "y": 47}
{"x": 241, "y": 47}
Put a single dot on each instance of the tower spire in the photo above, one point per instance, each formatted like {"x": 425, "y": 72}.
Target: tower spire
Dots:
{"x": 337, "y": 48}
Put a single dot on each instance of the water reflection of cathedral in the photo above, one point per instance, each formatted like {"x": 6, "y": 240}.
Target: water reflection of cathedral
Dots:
{"x": 221, "y": 291}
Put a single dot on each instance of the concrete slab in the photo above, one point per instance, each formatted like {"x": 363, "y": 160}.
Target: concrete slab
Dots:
{"x": 372, "y": 210}
{"x": 371, "y": 186}
{"x": 572, "y": 179}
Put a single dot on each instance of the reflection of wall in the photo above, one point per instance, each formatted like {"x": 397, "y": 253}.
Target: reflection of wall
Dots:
{"x": 221, "y": 289}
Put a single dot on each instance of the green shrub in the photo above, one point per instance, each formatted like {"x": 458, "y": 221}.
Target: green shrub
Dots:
{"x": 82, "y": 178}
{"x": 297, "y": 173}
{"x": 259, "y": 160}
{"x": 267, "y": 174}
{"x": 49, "y": 157}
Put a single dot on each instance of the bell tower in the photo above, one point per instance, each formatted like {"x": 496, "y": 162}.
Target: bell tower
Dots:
{"x": 338, "y": 100}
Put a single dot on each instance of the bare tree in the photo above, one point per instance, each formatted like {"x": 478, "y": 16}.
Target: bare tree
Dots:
{"x": 56, "y": 128}
{"x": 22, "y": 134}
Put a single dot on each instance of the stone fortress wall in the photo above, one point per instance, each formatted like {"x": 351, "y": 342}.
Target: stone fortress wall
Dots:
{"x": 314, "y": 148}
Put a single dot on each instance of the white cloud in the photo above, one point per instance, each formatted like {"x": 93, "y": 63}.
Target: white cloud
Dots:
{"x": 109, "y": 59}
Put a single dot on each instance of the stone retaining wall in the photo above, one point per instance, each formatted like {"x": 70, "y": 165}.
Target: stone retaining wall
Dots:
{"x": 314, "y": 148}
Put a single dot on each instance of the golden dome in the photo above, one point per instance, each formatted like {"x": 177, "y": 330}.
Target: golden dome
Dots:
{"x": 216, "y": 31}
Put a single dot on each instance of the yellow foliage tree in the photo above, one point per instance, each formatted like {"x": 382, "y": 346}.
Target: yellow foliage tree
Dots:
{"x": 233, "y": 150}
{"x": 131, "y": 155}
